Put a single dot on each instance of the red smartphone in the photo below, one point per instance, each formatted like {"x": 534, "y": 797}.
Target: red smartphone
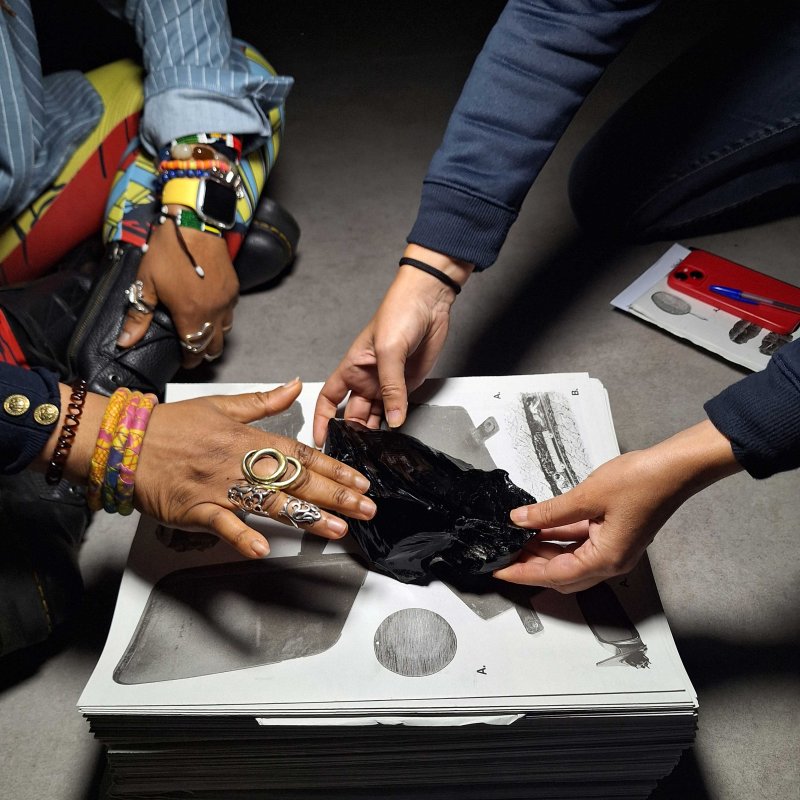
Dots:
{"x": 700, "y": 270}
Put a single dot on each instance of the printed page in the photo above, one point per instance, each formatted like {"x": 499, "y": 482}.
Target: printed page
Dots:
{"x": 310, "y": 631}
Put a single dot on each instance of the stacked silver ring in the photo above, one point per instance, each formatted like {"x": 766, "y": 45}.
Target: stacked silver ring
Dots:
{"x": 135, "y": 295}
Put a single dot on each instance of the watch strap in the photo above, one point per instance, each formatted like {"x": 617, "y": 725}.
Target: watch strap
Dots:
{"x": 181, "y": 192}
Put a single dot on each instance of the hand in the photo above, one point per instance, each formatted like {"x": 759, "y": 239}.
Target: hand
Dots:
{"x": 396, "y": 350}
{"x": 168, "y": 277}
{"x": 603, "y": 526}
{"x": 192, "y": 453}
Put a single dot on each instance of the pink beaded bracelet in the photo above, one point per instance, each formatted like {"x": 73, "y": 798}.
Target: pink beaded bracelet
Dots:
{"x": 130, "y": 461}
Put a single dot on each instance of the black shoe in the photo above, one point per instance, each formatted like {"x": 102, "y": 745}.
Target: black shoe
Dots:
{"x": 269, "y": 247}
{"x": 43, "y": 312}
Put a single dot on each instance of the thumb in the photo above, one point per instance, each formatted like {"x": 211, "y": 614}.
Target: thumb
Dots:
{"x": 252, "y": 406}
{"x": 391, "y": 376}
{"x": 143, "y": 300}
{"x": 563, "y": 509}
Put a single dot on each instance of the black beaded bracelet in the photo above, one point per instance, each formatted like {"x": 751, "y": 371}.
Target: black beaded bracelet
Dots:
{"x": 436, "y": 273}
{"x": 55, "y": 467}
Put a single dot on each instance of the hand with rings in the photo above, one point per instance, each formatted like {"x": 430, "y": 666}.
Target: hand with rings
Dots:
{"x": 255, "y": 494}
{"x": 203, "y": 467}
{"x": 201, "y": 307}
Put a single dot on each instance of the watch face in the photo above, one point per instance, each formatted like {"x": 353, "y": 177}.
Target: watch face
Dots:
{"x": 216, "y": 203}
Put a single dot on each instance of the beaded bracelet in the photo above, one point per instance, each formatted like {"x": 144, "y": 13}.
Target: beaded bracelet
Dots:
{"x": 216, "y": 140}
{"x": 55, "y": 467}
{"x": 188, "y": 218}
{"x": 108, "y": 427}
{"x": 130, "y": 461}
{"x": 183, "y": 151}
{"x": 223, "y": 165}
{"x": 171, "y": 174}
{"x": 117, "y": 452}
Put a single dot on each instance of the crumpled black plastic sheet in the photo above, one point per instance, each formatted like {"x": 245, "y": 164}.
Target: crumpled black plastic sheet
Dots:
{"x": 437, "y": 516}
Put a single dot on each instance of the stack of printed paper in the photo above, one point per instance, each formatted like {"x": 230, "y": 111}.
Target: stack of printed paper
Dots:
{"x": 308, "y": 675}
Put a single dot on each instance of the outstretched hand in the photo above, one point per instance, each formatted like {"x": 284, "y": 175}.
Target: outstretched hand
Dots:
{"x": 395, "y": 352}
{"x": 602, "y": 527}
{"x": 192, "y": 454}
{"x": 201, "y": 308}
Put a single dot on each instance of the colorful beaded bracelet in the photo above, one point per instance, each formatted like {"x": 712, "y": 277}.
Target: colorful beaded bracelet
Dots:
{"x": 223, "y": 165}
{"x": 108, "y": 426}
{"x": 130, "y": 460}
{"x": 188, "y": 218}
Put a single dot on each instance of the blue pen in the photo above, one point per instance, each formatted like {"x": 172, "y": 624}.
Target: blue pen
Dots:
{"x": 752, "y": 299}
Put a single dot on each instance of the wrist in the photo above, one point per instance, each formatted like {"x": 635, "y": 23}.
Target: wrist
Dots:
{"x": 459, "y": 271}
{"x": 76, "y": 467}
{"x": 697, "y": 457}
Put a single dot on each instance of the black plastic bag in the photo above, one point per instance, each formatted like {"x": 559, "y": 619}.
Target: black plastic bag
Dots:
{"x": 437, "y": 516}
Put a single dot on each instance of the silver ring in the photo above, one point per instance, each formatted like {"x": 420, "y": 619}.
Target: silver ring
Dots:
{"x": 299, "y": 512}
{"x": 198, "y": 341}
{"x": 250, "y": 498}
{"x": 212, "y": 356}
{"x": 135, "y": 295}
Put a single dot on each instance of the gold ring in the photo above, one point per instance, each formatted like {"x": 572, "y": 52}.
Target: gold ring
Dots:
{"x": 272, "y": 481}
{"x": 250, "y": 459}
{"x": 298, "y": 468}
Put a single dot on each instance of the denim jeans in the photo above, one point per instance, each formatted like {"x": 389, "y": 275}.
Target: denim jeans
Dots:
{"x": 711, "y": 143}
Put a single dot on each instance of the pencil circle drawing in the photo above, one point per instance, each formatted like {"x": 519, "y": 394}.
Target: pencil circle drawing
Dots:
{"x": 415, "y": 642}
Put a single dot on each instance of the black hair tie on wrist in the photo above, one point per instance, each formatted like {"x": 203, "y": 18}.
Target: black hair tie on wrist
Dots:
{"x": 436, "y": 273}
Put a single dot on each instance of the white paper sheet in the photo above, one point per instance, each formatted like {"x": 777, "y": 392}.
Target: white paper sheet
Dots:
{"x": 548, "y": 432}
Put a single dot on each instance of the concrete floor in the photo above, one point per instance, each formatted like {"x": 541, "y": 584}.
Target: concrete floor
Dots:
{"x": 374, "y": 87}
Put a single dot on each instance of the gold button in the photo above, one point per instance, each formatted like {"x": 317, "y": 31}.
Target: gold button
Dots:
{"x": 16, "y": 404}
{"x": 46, "y": 413}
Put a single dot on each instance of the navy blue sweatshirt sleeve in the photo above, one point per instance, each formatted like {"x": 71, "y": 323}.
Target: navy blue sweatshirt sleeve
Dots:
{"x": 761, "y": 415}
{"x": 21, "y": 437}
{"x": 540, "y": 61}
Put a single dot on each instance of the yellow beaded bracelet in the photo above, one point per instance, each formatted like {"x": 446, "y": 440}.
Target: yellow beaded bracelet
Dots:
{"x": 105, "y": 436}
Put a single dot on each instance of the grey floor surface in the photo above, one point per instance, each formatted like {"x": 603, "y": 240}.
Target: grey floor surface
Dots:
{"x": 368, "y": 109}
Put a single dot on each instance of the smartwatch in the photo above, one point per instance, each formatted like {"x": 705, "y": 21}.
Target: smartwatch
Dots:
{"x": 213, "y": 199}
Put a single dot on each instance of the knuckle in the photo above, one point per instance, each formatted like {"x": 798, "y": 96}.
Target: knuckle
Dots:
{"x": 342, "y": 497}
{"x": 547, "y": 513}
{"x": 340, "y": 472}
{"x": 240, "y": 538}
{"x": 389, "y": 390}
{"x": 306, "y": 455}
{"x": 270, "y": 501}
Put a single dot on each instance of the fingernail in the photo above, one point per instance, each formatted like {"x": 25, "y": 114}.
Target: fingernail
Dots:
{"x": 292, "y": 382}
{"x": 338, "y": 526}
{"x": 394, "y": 418}
{"x": 124, "y": 338}
{"x": 366, "y": 506}
{"x": 361, "y": 483}
{"x": 519, "y": 515}
{"x": 260, "y": 548}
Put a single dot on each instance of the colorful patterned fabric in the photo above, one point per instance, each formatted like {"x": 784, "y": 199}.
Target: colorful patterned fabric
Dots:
{"x": 62, "y": 136}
